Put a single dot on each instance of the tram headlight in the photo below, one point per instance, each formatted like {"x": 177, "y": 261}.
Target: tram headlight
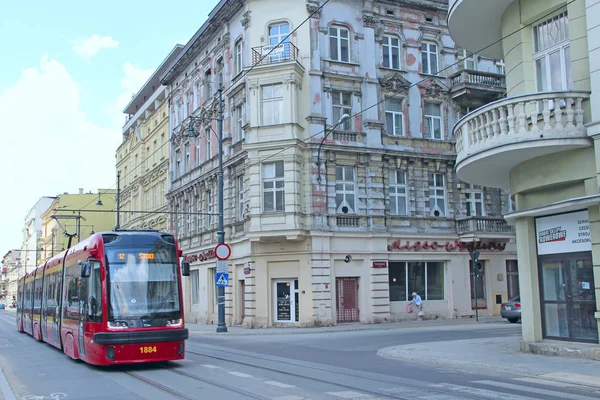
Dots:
{"x": 175, "y": 322}
{"x": 117, "y": 324}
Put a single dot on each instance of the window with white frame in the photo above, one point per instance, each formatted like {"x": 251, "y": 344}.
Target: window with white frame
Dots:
{"x": 177, "y": 163}
{"x": 199, "y": 213}
{"x": 148, "y": 204}
{"x": 341, "y": 103}
{"x": 465, "y": 60}
{"x": 209, "y": 208}
{"x": 238, "y": 115}
{"x": 186, "y": 164}
{"x": 240, "y": 197}
{"x": 198, "y": 139}
{"x": 552, "y": 54}
{"x": 391, "y": 52}
{"x": 155, "y": 189}
{"x": 437, "y": 194}
{"x": 394, "y": 118}
{"x": 279, "y": 36}
{"x": 500, "y": 67}
{"x": 186, "y": 106}
{"x": 474, "y": 198}
{"x": 208, "y": 135}
{"x": 220, "y": 69}
{"x": 196, "y": 94}
{"x": 163, "y": 194}
{"x": 433, "y": 121}
{"x": 339, "y": 43}
{"x": 155, "y": 152}
{"x": 273, "y": 187}
{"x": 424, "y": 278}
{"x": 398, "y": 192}
{"x": 345, "y": 190}
{"x": 207, "y": 84}
{"x": 238, "y": 60}
{"x": 429, "y": 58}
{"x": 188, "y": 217}
{"x": 195, "y": 283}
{"x": 272, "y": 104}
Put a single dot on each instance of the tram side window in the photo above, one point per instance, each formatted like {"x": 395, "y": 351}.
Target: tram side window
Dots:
{"x": 94, "y": 306}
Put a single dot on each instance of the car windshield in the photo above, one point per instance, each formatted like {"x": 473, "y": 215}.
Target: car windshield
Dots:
{"x": 142, "y": 285}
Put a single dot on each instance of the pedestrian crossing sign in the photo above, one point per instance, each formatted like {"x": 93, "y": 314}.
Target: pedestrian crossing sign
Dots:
{"x": 222, "y": 279}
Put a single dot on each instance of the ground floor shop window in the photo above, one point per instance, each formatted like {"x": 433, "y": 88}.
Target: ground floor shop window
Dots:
{"x": 195, "y": 282}
{"x": 287, "y": 307}
{"x": 425, "y": 278}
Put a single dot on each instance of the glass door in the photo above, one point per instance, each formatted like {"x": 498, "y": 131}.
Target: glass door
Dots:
{"x": 568, "y": 298}
{"x": 286, "y": 300}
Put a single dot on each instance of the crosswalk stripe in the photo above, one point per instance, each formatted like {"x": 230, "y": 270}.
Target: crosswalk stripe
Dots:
{"x": 480, "y": 392}
{"x": 210, "y": 366}
{"x": 290, "y": 397}
{"x": 240, "y": 374}
{"x": 352, "y": 395}
{"x": 419, "y": 394}
{"x": 565, "y": 385}
{"x": 279, "y": 384}
{"x": 533, "y": 390}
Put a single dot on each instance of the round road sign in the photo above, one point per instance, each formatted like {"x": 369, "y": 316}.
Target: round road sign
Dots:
{"x": 223, "y": 251}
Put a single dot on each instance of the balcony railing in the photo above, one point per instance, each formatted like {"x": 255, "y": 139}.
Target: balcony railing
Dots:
{"x": 478, "y": 78}
{"x": 549, "y": 115}
{"x": 489, "y": 225}
{"x": 281, "y": 53}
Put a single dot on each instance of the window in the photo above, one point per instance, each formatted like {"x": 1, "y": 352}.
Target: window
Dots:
{"x": 177, "y": 163}
{"x": 437, "y": 194}
{"x": 199, "y": 213}
{"x": 278, "y": 33}
{"x": 238, "y": 60}
{"x": 339, "y": 44}
{"x": 188, "y": 222}
{"x": 155, "y": 153}
{"x": 344, "y": 190}
{"x": 196, "y": 94}
{"x": 394, "y": 122}
{"x": 186, "y": 165}
{"x": 198, "y": 150}
{"x": 163, "y": 193}
{"x": 273, "y": 187}
{"x": 433, "y": 121}
{"x": 552, "y": 54}
{"x": 341, "y": 104}
{"x": 474, "y": 197}
{"x": 207, "y": 133}
{"x": 155, "y": 189}
{"x": 429, "y": 58}
{"x": 465, "y": 60}
{"x": 398, "y": 191}
{"x": 148, "y": 204}
{"x": 148, "y": 157}
{"x": 220, "y": 68}
{"x": 391, "y": 52}
{"x": 239, "y": 121}
{"x": 272, "y": 104}
{"x": 209, "y": 208}
{"x": 240, "y": 197}
{"x": 195, "y": 283}
{"x": 207, "y": 85}
{"x": 500, "y": 67}
{"x": 424, "y": 278}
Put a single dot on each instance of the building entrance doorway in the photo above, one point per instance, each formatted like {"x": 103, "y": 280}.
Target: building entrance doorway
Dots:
{"x": 347, "y": 299}
{"x": 568, "y": 298}
{"x": 286, "y": 300}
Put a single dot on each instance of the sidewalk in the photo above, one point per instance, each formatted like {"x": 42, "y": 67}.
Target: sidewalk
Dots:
{"x": 499, "y": 356}
{"x": 204, "y": 329}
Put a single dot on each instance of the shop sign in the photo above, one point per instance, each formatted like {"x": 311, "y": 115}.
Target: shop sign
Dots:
{"x": 202, "y": 256}
{"x": 448, "y": 246}
{"x": 379, "y": 264}
{"x": 563, "y": 233}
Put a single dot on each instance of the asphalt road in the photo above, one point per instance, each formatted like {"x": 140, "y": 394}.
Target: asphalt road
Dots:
{"x": 323, "y": 366}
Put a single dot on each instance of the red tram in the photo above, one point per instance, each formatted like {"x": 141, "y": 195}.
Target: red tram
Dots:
{"x": 114, "y": 298}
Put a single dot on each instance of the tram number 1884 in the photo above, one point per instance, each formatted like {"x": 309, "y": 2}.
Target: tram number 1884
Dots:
{"x": 147, "y": 349}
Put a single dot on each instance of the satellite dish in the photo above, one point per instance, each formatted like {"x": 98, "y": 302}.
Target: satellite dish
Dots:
{"x": 139, "y": 132}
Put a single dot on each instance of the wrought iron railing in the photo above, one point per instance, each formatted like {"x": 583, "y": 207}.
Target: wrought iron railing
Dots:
{"x": 274, "y": 53}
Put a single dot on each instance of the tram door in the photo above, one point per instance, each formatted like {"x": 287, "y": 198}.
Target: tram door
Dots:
{"x": 83, "y": 311}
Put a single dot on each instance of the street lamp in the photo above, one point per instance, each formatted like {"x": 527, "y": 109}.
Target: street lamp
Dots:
{"x": 191, "y": 132}
{"x": 343, "y": 119}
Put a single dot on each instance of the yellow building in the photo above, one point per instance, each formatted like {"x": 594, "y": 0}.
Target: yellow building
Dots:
{"x": 541, "y": 143}
{"x": 143, "y": 156}
{"x": 76, "y": 214}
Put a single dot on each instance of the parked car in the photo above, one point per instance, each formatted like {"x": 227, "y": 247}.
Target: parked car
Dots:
{"x": 511, "y": 310}
{"x": 2, "y": 306}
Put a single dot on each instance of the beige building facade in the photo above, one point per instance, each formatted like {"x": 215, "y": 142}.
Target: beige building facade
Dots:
{"x": 143, "y": 156}
{"x": 540, "y": 142}
{"x": 334, "y": 222}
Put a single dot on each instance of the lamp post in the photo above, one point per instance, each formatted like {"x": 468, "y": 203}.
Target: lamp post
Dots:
{"x": 191, "y": 132}
{"x": 118, "y": 225}
{"x": 475, "y": 260}
{"x": 343, "y": 119}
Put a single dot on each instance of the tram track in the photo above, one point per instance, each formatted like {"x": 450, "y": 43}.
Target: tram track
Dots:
{"x": 329, "y": 382}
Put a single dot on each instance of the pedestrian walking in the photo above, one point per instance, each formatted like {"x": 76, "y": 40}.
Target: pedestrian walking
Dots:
{"x": 416, "y": 300}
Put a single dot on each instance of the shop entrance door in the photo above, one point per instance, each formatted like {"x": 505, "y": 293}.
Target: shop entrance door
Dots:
{"x": 286, "y": 300}
{"x": 568, "y": 298}
{"x": 347, "y": 299}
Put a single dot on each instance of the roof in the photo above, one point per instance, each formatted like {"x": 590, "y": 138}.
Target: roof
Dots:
{"x": 152, "y": 83}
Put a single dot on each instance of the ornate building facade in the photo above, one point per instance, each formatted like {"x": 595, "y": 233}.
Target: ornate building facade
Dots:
{"x": 143, "y": 156}
{"x": 332, "y": 218}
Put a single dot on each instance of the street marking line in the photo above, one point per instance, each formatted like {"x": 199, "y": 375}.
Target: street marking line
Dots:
{"x": 351, "y": 395}
{"x": 290, "y": 397}
{"x": 5, "y": 388}
{"x": 210, "y": 366}
{"x": 279, "y": 384}
{"x": 565, "y": 385}
{"x": 480, "y": 392}
{"x": 240, "y": 374}
{"x": 572, "y": 378}
{"x": 534, "y": 390}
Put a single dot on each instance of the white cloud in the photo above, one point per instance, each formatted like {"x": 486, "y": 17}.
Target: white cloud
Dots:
{"x": 48, "y": 145}
{"x": 89, "y": 47}
{"x": 131, "y": 83}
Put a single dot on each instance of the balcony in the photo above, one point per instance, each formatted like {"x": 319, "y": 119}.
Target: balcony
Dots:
{"x": 475, "y": 88}
{"x": 471, "y": 229}
{"x": 476, "y": 24}
{"x": 493, "y": 139}
{"x": 280, "y": 53}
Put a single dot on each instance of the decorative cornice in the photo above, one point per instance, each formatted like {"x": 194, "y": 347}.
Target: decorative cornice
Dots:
{"x": 395, "y": 83}
{"x": 369, "y": 20}
{"x": 245, "y": 21}
{"x": 314, "y": 7}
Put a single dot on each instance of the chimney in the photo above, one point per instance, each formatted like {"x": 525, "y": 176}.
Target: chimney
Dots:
{"x": 80, "y": 190}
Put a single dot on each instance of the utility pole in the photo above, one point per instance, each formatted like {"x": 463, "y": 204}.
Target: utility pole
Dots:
{"x": 118, "y": 225}
{"x": 221, "y": 327}
{"x": 475, "y": 261}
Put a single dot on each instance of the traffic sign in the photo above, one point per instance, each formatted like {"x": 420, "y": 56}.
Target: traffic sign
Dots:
{"x": 222, "y": 280}
{"x": 223, "y": 251}
{"x": 222, "y": 266}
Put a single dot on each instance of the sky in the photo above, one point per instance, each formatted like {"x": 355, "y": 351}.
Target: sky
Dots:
{"x": 67, "y": 71}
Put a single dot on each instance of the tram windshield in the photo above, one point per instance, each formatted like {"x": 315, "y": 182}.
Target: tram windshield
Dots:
{"x": 143, "y": 287}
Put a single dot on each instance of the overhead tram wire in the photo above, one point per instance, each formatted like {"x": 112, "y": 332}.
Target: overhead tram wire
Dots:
{"x": 365, "y": 109}
{"x": 244, "y": 73}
